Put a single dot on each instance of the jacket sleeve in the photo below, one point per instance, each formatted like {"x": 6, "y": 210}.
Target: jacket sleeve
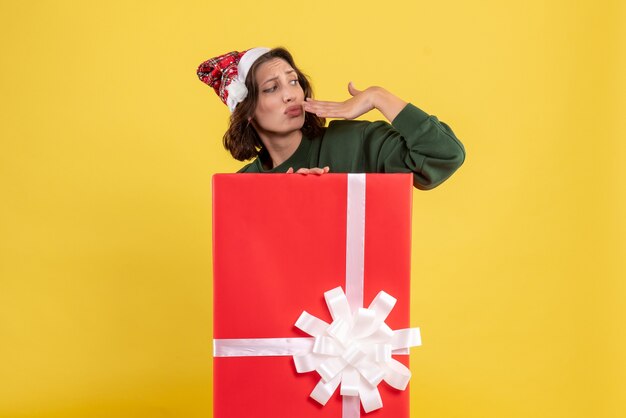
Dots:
{"x": 414, "y": 142}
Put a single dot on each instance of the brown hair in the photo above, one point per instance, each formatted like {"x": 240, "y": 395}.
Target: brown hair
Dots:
{"x": 241, "y": 139}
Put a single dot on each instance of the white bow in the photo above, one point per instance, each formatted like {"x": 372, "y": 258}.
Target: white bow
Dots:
{"x": 355, "y": 350}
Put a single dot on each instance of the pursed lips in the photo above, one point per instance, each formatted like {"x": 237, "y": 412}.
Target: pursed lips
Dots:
{"x": 294, "y": 110}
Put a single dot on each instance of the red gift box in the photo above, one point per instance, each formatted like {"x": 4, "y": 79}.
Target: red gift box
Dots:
{"x": 279, "y": 243}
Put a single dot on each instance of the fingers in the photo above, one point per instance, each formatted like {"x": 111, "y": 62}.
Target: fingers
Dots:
{"x": 318, "y": 171}
{"x": 325, "y": 109}
{"x": 353, "y": 90}
{"x": 310, "y": 171}
{"x": 311, "y": 105}
{"x": 314, "y": 170}
{"x": 357, "y": 105}
{"x": 310, "y": 101}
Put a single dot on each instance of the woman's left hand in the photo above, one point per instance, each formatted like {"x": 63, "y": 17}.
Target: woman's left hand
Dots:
{"x": 314, "y": 170}
{"x": 361, "y": 102}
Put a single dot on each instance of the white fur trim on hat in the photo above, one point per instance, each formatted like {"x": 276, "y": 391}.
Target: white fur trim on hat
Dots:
{"x": 237, "y": 90}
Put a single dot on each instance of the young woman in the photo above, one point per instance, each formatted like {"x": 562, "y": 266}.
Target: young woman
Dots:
{"x": 275, "y": 119}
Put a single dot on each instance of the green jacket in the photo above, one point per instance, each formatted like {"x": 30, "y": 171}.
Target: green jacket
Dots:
{"x": 414, "y": 142}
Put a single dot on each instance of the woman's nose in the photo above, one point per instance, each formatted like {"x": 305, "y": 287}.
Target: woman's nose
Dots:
{"x": 289, "y": 96}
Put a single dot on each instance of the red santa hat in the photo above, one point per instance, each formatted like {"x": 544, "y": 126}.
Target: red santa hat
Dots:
{"x": 227, "y": 74}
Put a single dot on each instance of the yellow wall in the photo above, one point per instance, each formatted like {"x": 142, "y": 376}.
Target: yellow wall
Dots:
{"x": 108, "y": 142}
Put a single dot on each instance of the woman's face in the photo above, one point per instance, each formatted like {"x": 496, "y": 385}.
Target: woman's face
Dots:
{"x": 279, "y": 106}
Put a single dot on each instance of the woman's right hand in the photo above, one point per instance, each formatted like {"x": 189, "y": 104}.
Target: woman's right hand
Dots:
{"x": 314, "y": 170}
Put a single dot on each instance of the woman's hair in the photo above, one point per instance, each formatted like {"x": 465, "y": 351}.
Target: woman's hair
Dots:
{"x": 241, "y": 139}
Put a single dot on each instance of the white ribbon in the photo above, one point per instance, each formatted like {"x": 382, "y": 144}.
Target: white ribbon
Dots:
{"x": 355, "y": 350}
{"x": 253, "y": 347}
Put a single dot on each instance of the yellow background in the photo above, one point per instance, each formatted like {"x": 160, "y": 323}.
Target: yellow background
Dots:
{"x": 107, "y": 146}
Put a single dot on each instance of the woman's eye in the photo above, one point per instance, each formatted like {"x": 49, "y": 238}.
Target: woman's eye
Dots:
{"x": 271, "y": 89}
{"x": 294, "y": 82}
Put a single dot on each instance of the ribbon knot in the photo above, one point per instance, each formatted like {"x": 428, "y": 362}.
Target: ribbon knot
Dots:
{"x": 355, "y": 350}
